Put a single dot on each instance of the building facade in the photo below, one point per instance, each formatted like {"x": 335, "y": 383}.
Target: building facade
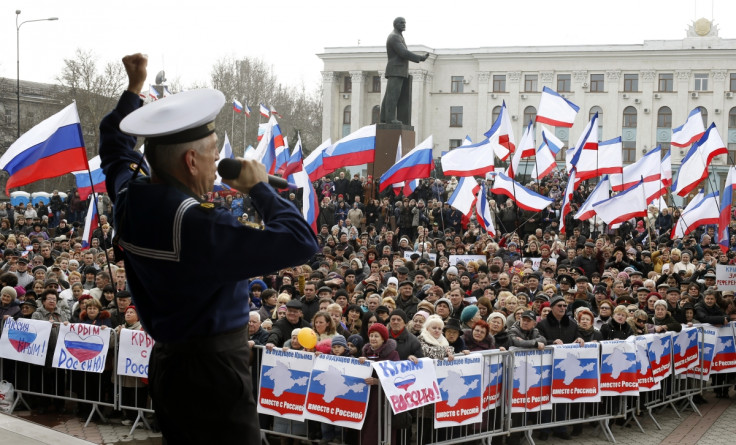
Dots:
{"x": 639, "y": 91}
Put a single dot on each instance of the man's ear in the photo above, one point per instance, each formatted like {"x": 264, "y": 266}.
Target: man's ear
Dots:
{"x": 191, "y": 161}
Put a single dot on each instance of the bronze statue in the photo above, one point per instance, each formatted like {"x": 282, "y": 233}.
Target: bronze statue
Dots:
{"x": 396, "y": 106}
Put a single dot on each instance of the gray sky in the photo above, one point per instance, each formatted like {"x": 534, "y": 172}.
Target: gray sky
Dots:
{"x": 187, "y": 38}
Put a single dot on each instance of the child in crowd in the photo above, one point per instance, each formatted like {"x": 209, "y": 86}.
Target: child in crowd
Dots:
{"x": 329, "y": 431}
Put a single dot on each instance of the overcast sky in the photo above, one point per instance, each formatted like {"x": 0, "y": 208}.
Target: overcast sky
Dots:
{"x": 187, "y": 38}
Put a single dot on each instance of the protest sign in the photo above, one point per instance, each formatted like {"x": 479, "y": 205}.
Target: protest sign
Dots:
{"x": 459, "y": 381}
{"x": 81, "y": 347}
{"x": 660, "y": 356}
{"x": 492, "y": 379}
{"x": 532, "y": 390}
{"x": 284, "y": 383}
{"x": 337, "y": 392}
{"x": 619, "y": 368}
{"x": 25, "y": 340}
{"x": 453, "y": 259}
{"x": 726, "y": 277}
{"x": 408, "y": 385}
{"x": 685, "y": 344}
{"x": 427, "y": 255}
{"x": 134, "y": 352}
{"x": 707, "y": 338}
{"x": 646, "y": 379}
{"x": 724, "y": 354}
{"x": 575, "y": 374}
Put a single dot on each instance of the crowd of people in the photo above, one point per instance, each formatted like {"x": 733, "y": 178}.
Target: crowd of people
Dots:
{"x": 383, "y": 286}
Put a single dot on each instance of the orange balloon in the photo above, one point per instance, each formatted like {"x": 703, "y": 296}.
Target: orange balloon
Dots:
{"x": 307, "y": 338}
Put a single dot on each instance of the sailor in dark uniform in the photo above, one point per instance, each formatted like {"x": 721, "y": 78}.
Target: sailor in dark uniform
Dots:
{"x": 188, "y": 263}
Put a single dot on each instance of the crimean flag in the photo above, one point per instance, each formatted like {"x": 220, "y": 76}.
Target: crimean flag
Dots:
{"x": 555, "y": 110}
{"x": 689, "y": 132}
{"x": 52, "y": 148}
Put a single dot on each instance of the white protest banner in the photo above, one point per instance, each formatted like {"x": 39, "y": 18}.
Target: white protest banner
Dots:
{"x": 81, "y": 347}
{"x": 408, "y": 385}
{"x": 685, "y": 343}
{"x": 25, "y": 340}
{"x": 459, "y": 381}
{"x": 492, "y": 381}
{"x": 537, "y": 260}
{"x": 575, "y": 374}
{"x": 337, "y": 392}
{"x": 284, "y": 382}
{"x": 725, "y": 277}
{"x": 619, "y": 368}
{"x": 660, "y": 356}
{"x": 134, "y": 352}
{"x": 532, "y": 390}
{"x": 708, "y": 338}
{"x": 428, "y": 255}
{"x": 724, "y": 354}
{"x": 646, "y": 379}
{"x": 453, "y": 259}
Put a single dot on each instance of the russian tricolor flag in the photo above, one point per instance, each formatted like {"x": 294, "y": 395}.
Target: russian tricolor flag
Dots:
{"x": 555, "y": 110}
{"x": 464, "y": 196}
{"x": 314, "y": 165}
{"x": 265, "y": 112}
{"x": 501, "y": 134}
{"x": 524, "y": 198}
{"x": 298, "y": 176}
{"x": 50, "y": 149}
{"x": 282, "y": 156}
{"x": 694, "y": 166}
{"x": 418, "y": 163}
{"x": 690, "y": 131}
{"x": 724, "y": 238}
{"x": 237, "y": 106}
{"x": 702, "y": 210}
{"x": 90, "y": 223}
{"x": 267, "y": 146}
{"x": 483, "y": 211}
{"x": 469, "y": 160}
{"x": 226, "y": 152}
{"x": 85, "y": 185}
{"x": 354, "y": 149}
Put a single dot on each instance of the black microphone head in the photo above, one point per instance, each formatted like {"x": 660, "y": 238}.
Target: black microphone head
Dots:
{"x": 229, "y": 168}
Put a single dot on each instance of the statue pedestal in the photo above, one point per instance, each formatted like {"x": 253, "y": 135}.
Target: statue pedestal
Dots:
{"x": 387, "y": 139}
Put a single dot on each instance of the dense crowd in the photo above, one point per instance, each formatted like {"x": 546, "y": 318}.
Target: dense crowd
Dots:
{"x": 383, "y": 287}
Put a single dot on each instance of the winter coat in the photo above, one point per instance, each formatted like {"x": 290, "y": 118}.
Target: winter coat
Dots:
{"x": 553, "y": 329}
{"x": 525, "y": 339}
{"x": 612, "y": 330}
{"x": 473, "y": 345}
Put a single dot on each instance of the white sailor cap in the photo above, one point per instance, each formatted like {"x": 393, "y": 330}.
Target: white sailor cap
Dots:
{"x": 183, "y": 117}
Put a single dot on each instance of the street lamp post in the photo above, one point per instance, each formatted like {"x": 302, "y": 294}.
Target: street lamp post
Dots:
{"x": 17, "y": 56}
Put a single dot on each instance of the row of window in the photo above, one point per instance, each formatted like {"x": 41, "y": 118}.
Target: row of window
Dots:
{"x": 665, "y": 83}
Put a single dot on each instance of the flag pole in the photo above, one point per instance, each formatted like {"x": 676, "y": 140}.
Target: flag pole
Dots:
{"x": 245, "y": 127}
{"x": 643, "y": 192}
{"x": 232, "y": 124}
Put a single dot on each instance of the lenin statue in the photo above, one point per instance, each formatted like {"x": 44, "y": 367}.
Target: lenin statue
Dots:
{"x": 396, "y": 105}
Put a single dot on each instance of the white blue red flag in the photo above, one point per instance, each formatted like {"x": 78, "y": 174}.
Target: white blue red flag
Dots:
{"x": 702, "y": 210}
{"x": 601, "y": 192}
{"x": 313, "y": 165}
{"x": 464, "y": 196}
{"x": 90, "y": 223}
{"x": 356, "y": 148}
{"x": 665, "y": 169}
{"x": 501, "y": 134}
{"x": 297, "y": 175}
{"x": 648, "y": 168}
{"x": 694, "y": 166}
{"x": 689, "y": 132}
{"x": 610, "y": 159}
{"x": 274, "y": 112}
{"x": 470, "y": 160}
{"x": 265, "y": 112}
{"x": 630, "y": 203}
{"x": 272, "y": 140}
{"x": 566, "y": 200}
{"x": 526, "y": 149}
{"x": 52, "y": 148}
{"x": 483, "y": 211}
{"x": 585, "y": 157}
{"x": 724, "y": 219}
{"x": 545, "y": 162}
{"x": 555, "y": 110}
{"x": 225, "y": 152}
{"x": 416, "y": 164}
{"x": 152, "y": 92}
{"x": 397, "y": 187}
{"x": 246, "y": 110}
{"x": 237, "y": 106}
{"x": 282, "y": 157}
{"x": 524, "y": 198}
{"x": 167, "y": 93}
{"x": 466, "y": 141}
{"x": 85, "y": 185}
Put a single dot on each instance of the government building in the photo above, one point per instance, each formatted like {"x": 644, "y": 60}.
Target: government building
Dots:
{"x": 640, "y": 91}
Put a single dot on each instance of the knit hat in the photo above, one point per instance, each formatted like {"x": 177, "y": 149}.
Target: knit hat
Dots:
{"x": 356, "y": 340}
{"x": 556, "y": 300}
{"x": 380, "y": 329}
{"x": 443, "y": 300}
{"x": 339, "y": 340}
{"x": 424, "y": 314}
{"x": 394, "y": 280}
{"x": 325, "y": 346}
{"x": 400, "y": 313}
{"x": 468, "y": 313}
{"x": 9, "y": 291}
{"x": 497, "y": 315}
{"x": 452, "y": 270}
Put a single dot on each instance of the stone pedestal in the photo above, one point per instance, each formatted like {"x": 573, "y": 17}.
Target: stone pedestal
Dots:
{"x": 387, "y": 139}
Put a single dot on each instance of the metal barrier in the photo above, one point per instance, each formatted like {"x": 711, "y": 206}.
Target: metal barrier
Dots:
{"x": 132, "y": 395}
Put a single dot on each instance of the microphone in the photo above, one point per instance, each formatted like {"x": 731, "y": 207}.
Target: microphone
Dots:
{"x": 230, "y": 169}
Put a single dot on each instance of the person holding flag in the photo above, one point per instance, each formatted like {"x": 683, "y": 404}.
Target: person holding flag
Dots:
{"x": 167, "y": 232}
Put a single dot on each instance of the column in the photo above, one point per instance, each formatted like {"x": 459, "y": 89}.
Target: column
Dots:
{"x": 328, "y": 109}
{"x": 483, "y": 122}
{"x": 357, "y": 98}
{"x": 417, "y": 102}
